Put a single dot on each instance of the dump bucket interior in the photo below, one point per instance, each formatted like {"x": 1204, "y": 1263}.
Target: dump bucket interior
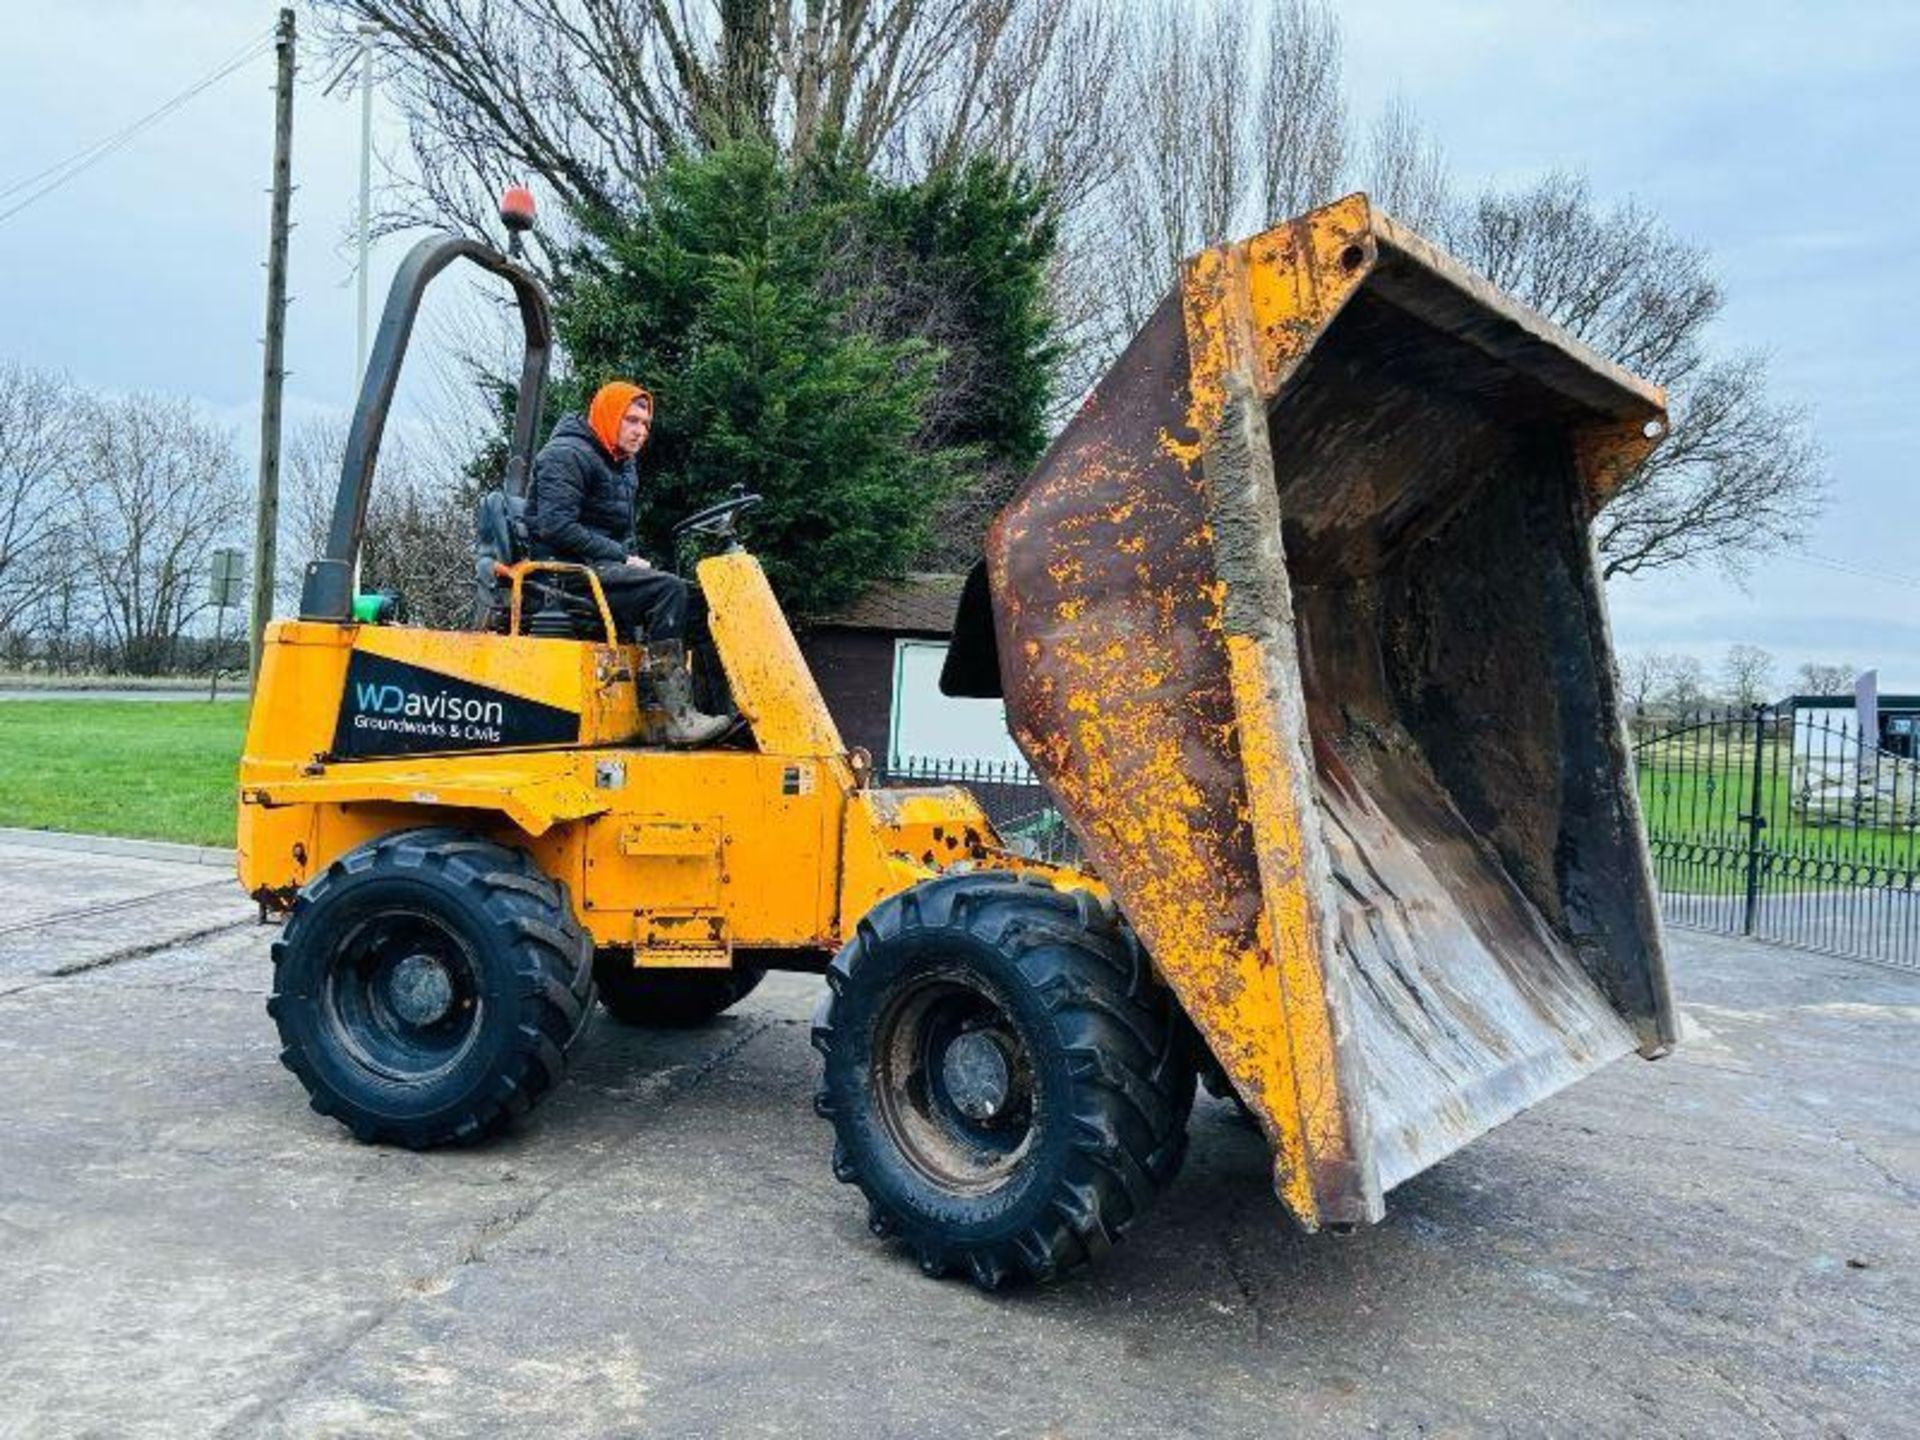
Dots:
{"x": 1299, "y": 620}
{"x": 1454, "y": 667}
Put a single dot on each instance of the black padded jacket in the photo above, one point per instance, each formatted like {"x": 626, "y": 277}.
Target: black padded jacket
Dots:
{"x": 581, "y": 505}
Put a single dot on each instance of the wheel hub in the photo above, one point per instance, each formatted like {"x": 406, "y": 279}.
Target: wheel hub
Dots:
{"x": 420, "y": 990}
{"x": 954, "y": 1082}
{"x": 977, "y": 1074}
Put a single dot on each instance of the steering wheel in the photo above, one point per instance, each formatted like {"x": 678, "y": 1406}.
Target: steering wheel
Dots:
{"x": 716, "y": 521}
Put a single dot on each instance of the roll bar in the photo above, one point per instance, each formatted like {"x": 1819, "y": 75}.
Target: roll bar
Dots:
{"x": 328, "y": 590}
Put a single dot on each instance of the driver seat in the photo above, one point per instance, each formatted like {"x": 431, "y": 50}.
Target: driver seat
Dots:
{"x": 564, "y": 598}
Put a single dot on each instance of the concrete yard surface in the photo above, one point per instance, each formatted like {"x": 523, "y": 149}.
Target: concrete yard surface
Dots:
{"x": 1723, "y": 1243}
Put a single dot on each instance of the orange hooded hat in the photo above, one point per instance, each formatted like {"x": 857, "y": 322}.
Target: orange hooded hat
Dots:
{"x": 609, "y": 406}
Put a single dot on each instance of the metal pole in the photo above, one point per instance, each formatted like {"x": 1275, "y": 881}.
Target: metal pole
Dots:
{"x": 1755, "y": 819}
{"x": 367, "y": 32}
{"x": 273, "y": 368}
{"x": 219, "y": 639}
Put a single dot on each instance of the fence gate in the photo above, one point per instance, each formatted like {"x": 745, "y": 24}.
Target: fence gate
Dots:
{"x": 1789, "y": 826}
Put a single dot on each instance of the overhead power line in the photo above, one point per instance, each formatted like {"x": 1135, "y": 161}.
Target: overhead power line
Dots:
{"x": 1850, "y": 567}
{"x": 43, "y": 183}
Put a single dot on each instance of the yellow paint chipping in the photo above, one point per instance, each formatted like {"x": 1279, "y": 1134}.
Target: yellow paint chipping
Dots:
{"x": 1310, "y": 1116}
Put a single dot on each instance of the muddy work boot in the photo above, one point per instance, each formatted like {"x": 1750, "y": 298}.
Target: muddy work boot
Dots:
{"x": 666, "y": 700}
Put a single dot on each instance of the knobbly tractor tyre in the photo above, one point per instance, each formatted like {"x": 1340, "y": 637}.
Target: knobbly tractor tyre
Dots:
{"x": 1007, "y": 1081}
{"x": 428, "y": 987}
{"x": 673, "y": 999}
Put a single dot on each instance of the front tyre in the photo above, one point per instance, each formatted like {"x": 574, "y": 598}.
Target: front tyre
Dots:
{"x": 428, "y": 987}
{"x": 1007, "y": 1081}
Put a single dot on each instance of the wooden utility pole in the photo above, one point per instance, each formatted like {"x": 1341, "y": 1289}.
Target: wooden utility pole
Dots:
{"x": 365, "y": 227}
{"x": 273, "y": 373}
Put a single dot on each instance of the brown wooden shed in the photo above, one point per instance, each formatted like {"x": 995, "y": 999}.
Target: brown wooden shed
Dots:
{"x": 856, "y": 654}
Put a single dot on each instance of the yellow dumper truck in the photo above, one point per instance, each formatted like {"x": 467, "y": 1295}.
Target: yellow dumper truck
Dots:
{"x": 1297, "y": 621}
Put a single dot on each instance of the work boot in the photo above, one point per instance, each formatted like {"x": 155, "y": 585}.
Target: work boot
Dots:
{"x": 666, "y": 700}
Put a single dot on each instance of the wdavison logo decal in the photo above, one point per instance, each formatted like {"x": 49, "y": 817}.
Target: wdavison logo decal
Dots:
{"x": 392, "y": 708}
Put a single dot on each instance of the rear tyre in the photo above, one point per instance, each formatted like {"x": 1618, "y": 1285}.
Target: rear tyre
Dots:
{"x": 1007, "y": 1081}
{"x": 674, "y": 999}
{"x": 428, "y": 987}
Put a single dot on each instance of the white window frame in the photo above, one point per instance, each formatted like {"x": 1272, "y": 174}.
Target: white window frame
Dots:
{"x": 902, "y": 645}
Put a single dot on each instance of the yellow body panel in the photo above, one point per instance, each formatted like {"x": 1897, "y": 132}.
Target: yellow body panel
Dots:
{"x": 303, "y": 668}
{"x": 685, "y": 857}
{"x": 765, "y": 669}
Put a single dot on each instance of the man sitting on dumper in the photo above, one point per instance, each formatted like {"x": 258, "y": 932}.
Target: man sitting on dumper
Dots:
{"x": 580, "y": 511}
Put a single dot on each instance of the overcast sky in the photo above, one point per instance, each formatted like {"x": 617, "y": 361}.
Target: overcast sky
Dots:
{"x": 1782, "y": 135}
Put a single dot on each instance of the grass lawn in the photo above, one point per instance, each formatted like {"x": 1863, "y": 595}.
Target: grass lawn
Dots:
{"x": 154, "y": 770}
{"x": 1694, "y": 810}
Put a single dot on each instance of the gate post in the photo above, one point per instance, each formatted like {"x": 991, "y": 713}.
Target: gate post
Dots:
{"x": 1755, "y": 820}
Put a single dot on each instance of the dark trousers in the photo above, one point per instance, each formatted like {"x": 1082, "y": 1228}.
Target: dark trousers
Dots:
{"x": 645, "y": 600}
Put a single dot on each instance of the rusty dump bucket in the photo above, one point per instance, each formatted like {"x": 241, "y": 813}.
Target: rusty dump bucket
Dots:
{"x": 1299, "y": 621}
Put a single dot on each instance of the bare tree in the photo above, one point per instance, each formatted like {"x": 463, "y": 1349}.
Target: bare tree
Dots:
{"x": 1240, "y": 121}
{"x": 1686, "y": 689}
{"x": 1618, "y": 278}
{"x": 155, "y": 488}
{"x": 1405, "y": 169}
{"x": 1155, "y": 130}
{"x": 1161, "y": 127}
{"x": 38, "y": 432}
{"x": 419, "y": 534}
{"x": 1300, "y": 134}
{"x": 590, "y": 97}
{"x": 309, "y": 480}
{"x": 57, "y": 626}
{"x": 420, "y": 546}
{"x": 1817, "y": 678}
{"x": 1182, "y": 168}
{"x": 1739, "y": 474}
{"x": 1739, "y": 477}
{"x": 1643, "y": 674}
{"x": 1038, "y": 85}
{"x": 1746, "y": 676}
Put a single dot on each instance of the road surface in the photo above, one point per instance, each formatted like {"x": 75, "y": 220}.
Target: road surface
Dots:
{"x": 1726, "y": 1242}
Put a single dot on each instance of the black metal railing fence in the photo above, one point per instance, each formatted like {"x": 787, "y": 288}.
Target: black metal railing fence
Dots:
{"x": 1782, "y": 824}
{"x": 1787, "y": 825}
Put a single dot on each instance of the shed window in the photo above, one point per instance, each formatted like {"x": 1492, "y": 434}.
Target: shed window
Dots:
{"x": 928, "y": 726}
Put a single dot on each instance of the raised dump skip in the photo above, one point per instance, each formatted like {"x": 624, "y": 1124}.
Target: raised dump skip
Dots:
{"x": 1300, "y": 623}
